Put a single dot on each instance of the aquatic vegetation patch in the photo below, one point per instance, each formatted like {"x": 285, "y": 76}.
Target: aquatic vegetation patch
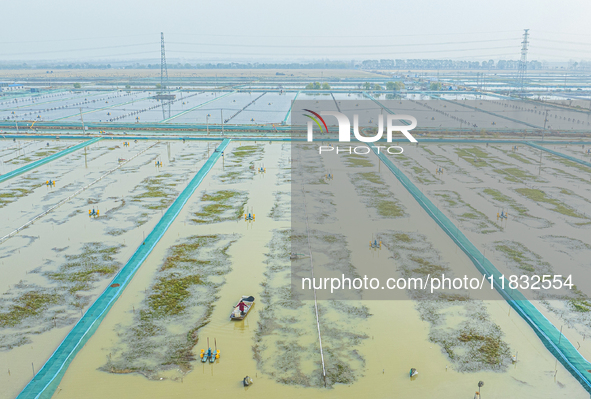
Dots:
{"x": 503, "y": 199}
{"x": 38, "y": 154}
{"x": 375, "y": 194}
{"x": 239, "y": 163}
{"x": 141, "y": 219}
{"x": 566, "y": 245}
{"x": 245, "y": 151}
{"x": 95, "y": 262}
{"x": 281, "y": 207}
{"x": 416, "y": 170}
{"x": 518, "y": 175}
{"x": 33, "y": 309}
{"x": 168, "y": 295}
{"x": 282, "y": 344}
{"x": 358, "y": 161}
{"x": 519, "y": 158}
{"x": 564, "y": 174}
{"x": 17, "y": 190}
{"x": 28, "y": 304}
{"x": 569, "y": 163}
{"x": 473, "y": 344}
{"x": 220, "y": 206}
{"x": 472, "y": 218}
{"x": 157, "y": 192}
{"x": 178, "y": 303}
{"x": 522, "y": 257}
{"x": 475, "y": 156}
{"x": 320, "y": 206}
{"x": 540, "y": 196}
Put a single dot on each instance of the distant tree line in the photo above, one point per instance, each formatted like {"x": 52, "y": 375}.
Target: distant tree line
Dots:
{"x": 382, "y": 64}
{"x": 317, "y": 86}
{"x": 445, "y": 64}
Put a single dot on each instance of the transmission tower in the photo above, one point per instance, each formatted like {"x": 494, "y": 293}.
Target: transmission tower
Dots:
{"x": 163, "y": 69}
{"x": 523, "y": 62}
{"x": 164, "y": 78}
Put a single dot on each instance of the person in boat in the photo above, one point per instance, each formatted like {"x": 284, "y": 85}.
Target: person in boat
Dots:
{"x": 241, "y": 306}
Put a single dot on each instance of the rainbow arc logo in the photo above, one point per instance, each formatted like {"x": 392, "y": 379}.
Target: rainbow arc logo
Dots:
{"x": 316, "y": 120}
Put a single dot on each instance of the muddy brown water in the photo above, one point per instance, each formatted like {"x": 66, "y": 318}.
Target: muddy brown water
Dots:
{"x": 398, "y": 338}
{"x": 62, "y": 232}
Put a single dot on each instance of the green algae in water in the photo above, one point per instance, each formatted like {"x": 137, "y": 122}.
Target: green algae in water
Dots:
{"x": 221, "y": 206}
{"x": 282, "y": 348}
{"x": 522, "y": 257}
{"x": 169, "y": 295}
{"x": 95, "y": 262}
{"x": 502, "y": 198}
{"x": 155, "y": 188}
{"x": 537, "y": 195}
{"x": 354, "y": 160}
{"x": 244, "y": 151}
{"x": 375, "y": 194}
{"x": 177, "y": 305}
{"x": 472, "y": 345}
{"x": 34, "y": 309}
{"x": 29, "y": 304}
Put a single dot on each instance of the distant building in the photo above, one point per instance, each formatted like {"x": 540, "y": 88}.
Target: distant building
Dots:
{"x": 10, "y": 86}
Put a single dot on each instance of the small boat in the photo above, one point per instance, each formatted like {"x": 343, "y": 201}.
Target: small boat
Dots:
{"x": 248, "y": 302}
{"x": 413, "y": 372}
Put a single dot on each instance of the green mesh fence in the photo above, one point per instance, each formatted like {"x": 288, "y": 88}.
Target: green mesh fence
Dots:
{"x": 47, "y": 159}
{"x": 47, "y": 379}
{"x": 560, "y": 347}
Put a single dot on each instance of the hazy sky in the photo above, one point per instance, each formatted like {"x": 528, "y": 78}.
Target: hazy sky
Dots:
{"x": 229, "y": 30}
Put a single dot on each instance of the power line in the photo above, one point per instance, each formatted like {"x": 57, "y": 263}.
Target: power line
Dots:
{"x": 349, "y": 54}
{"x": 79, "y": 49}
{"x": 563, "y": 49}
{"x": 563, "y": 42}
{"x": 75, "y": 39}
{"x": 345, "y": 36}
{"x": 340, "y": 46}
{"x": 563, "y": 33}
